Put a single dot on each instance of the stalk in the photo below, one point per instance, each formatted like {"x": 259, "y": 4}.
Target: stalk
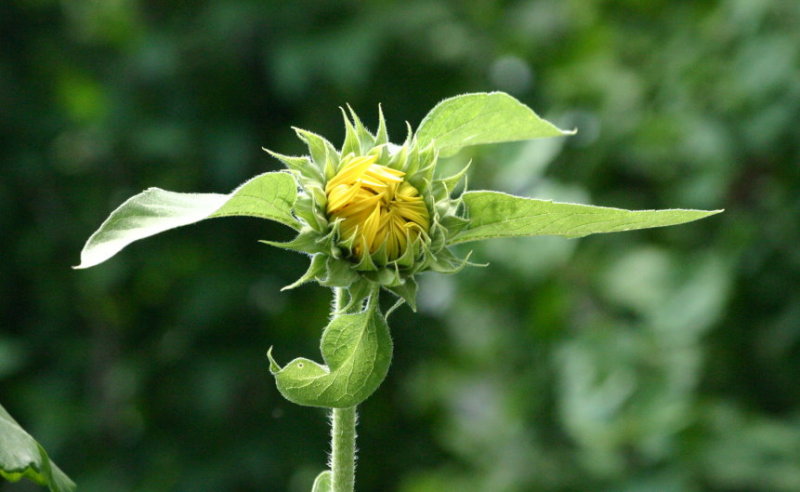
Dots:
{"x": 343, "y": 449}
{"x": 343, "y": 435}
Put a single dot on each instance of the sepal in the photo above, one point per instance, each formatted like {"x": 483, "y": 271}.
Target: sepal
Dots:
{"x": 407, "y": 291}
{"x": 305, "y": 242}
{"x": 321, "y": 150}
{"x": 356, "y": 294}
{"x": 447, "y": 262}
{"x": 315, "y": 270}
{"x": 339, "y": 273}
{"x": 382, "y": 135}
{"x": 299, "y": 164}
{"x": 449, "y": 183}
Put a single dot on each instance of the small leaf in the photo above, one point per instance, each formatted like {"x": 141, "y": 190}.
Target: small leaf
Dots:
{"x": 482, "y": 118}
{"x": 300, "y": 164}
{"x": 355, "y": 295}
{"x": 340, "y": 273}
{"x": 381, "y": 136}
{"x": 321, "y": 150}
{"x": 305, "y": 242}
{"x": 407, "y": 291}
{"x": 451, "y": 182}
{"x": 323, "y": 482}
{"x": 22, "y": 457}
{"x": 315, "y": 269}
{"x": 267, "y": 196}
{"x": 493, "y": 214}
{"x": 357, "y": 350}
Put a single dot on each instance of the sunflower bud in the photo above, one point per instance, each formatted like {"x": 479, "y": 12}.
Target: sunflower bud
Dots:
{"x": 377, "y": 207}
{"x": 373, "y": 212}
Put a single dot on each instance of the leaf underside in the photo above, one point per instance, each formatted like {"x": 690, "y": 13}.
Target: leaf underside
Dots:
{"x": 482, "y": 118}
{"x": 22, "y": 457}
{"x": 267, "y": 196}
{"x": 493, "y": 214}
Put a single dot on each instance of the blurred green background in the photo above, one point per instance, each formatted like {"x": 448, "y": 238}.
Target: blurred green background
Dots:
{"x": 662, "y": 360}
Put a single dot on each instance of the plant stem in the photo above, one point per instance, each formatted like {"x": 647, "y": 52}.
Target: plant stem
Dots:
{"x": 343, "y": 434}
{"x": 343, "y": 449}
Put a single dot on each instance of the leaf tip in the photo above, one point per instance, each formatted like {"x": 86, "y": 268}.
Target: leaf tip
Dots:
{"x": 706, "y": 213}
{"x": 86, "y": 263}
{"x": 274, "y": 368}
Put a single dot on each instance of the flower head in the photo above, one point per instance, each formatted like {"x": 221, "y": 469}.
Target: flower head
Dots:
{"x": 372, "y": 211}
{"x": 378, "y": 208}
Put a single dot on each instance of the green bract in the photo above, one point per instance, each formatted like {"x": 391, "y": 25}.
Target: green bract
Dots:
{"x": 356, "y": 346}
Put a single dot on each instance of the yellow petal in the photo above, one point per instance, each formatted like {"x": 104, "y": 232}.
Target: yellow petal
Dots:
{"x": 376, "y": 207}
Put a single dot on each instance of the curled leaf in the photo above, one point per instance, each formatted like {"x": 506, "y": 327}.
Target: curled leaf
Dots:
{"x": 357, "y": 351}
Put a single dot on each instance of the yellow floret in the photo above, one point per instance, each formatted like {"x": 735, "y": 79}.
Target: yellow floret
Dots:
{"x": 377, "y": 207}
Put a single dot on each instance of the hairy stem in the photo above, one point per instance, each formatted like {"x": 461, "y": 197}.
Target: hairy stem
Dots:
{"x": 343, "y": 448}
{"x": 343, "y": 434}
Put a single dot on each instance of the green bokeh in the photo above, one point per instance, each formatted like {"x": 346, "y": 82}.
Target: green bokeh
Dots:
{"x": 657, "y": 360}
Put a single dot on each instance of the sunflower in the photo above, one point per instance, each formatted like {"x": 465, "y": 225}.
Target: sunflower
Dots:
{"x": 377, "y": 207}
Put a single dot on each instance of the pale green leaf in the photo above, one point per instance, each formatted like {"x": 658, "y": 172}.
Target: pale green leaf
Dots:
{"x": 493, "y": 214}
{"x": 407, "y": 291}
{"x": 357, "y": 350}
{"x": 482, "y": 118}
{"x": 22, "y": 457}
{"x": 315, "y": 269}
{"x": 267, "y": 196}
{"x": 323, "y": 482}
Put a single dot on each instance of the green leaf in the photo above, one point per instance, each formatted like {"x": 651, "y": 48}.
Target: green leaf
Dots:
{"x": 22, "y": 457}
{"x": 493, "y": 214}
{"x": 482, "y": 118}
{"x": 357, "y": 351}
{"x": 315, "y": 269}
{"x": 267, "y": 196}
{"x": 323, "y": 482}
{"x": 306, "y": 242}
{"x": 407, "y": 291}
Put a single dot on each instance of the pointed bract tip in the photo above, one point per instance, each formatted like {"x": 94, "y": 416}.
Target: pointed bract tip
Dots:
{"x": 273, "y": 366}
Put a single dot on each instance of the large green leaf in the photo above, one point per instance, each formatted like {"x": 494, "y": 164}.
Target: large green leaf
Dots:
{"x": 482, "y": 118}
{"x": 357, "y": 350}
{"x": 267, "y": 196}
{"x": 493, "y": 214}
{"x": 22, "y": 457}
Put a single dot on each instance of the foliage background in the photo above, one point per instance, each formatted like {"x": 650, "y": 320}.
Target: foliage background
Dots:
{"x": 658, "y": 360}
